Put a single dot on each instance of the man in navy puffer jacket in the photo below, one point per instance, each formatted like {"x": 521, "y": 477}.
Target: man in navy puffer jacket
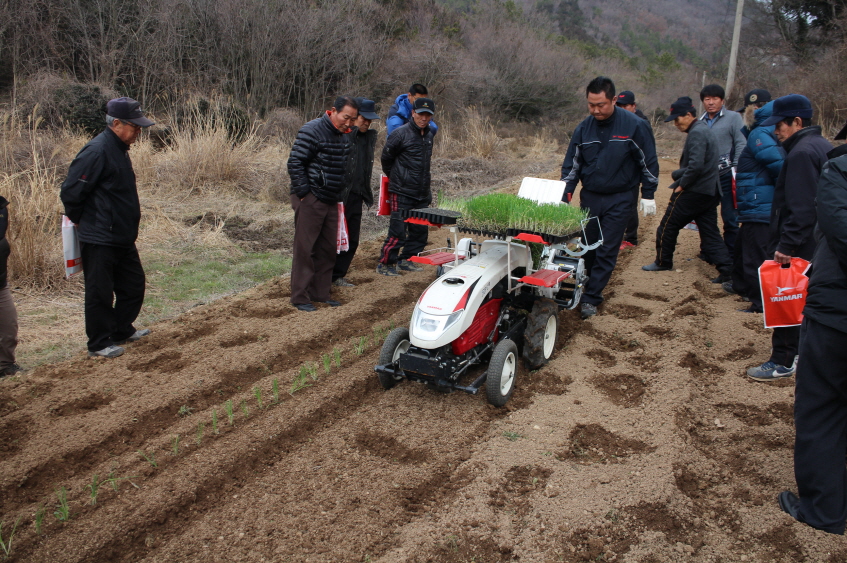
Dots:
{"x": 758, "y": 169}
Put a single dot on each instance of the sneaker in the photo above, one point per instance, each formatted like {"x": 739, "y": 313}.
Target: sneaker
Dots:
{"x": 692, "y": 226}
{"x": 107, "y": 352}
{"x": 727, "y": 286}
{"x": 11, "y": 370}
{"x": 770, "y": 371}
{"x": 407, "y": 266}
{"x": 587, "y": 310}
{"x": 343, "y": 282}
{"x": 386, "y": 269}
{"x": 136, "y": 336}
{"x": 307, "y": 307}
{"x": 626, "y": 244}
{"x": 331, "y": 303}
{"x": 653, "y": 267}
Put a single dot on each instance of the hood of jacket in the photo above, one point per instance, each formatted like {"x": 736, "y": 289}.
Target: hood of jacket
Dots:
{"x": 762, "y": 114}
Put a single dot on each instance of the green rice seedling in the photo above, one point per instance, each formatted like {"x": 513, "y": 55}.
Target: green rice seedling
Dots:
{"x": 498, "y": 212}
{"x": 327, "y": 362}
{"x": 300, "y": 381}
{"x": 336, "y": 353}
{"x": 151, "y": 459}
{"x": 63, "y": 510}
{"x": 94, "y": 487}
{"x": 198, "y": 436}
{"x": 113, "y": 481}
{"x": 6, "y": 544}
{"x": 244, "y": 408}
{"x": 275, "y": 389}
{"x": 215, "y": 422}
{"x": 184, "y": 411}
{"x": 39, "y": 518}
{"x": 229, "y": 415}
{"x": 390, "y": 326}
{"x": 359, "y": 345}
{"x": 312, "y": 370}
{"x": 175, "y": 444}
{"x": 257, "y": 392}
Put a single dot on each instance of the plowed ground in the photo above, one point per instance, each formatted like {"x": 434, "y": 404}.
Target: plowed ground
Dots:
{"x": 642, "y": 440}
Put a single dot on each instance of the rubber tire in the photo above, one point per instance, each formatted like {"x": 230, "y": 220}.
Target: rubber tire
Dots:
{"x": 539, "y": 336}
{"x": 504, "y": 359}
{"x": 396, "y": 343}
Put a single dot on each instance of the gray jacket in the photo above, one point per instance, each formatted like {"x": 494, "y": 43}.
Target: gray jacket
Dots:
{"x": 731, "y": 141}
{"x": 698, "y": 165}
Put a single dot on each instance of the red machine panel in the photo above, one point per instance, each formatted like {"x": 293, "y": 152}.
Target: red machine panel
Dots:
{"x": 482, "y": 325}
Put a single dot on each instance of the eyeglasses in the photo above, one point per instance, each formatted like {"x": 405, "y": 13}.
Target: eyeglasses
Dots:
{"x": 130, "y": 123}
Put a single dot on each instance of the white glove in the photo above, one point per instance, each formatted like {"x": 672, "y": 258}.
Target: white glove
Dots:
{"x": 648, "y": 206}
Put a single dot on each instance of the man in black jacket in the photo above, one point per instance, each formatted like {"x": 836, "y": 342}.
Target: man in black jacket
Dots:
{"x": 101, "y": 197}
{"x": 820, "y": 394}
{"x": 793, "y": 214}
{"x": 611, "y": 152}
{"x": 8, "y": 313}
{"x": 696, "y": 194}
{"x": 405, "y": 160}
{"x": 626, "y": 100}
{"x": 362, "y": 142}
{"x": 319, "y": 166}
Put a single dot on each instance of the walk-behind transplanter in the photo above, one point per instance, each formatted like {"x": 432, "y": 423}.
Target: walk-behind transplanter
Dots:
{"x": 489, "y": 302}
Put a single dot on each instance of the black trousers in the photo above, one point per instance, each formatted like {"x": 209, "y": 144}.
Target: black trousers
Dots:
{"x": 613, "y": 211}
{"x": 751, "y": 249}
{"x": 729, "y": 217}
{"x": 683, "y": 208}
{"x": 114, "y": 292}
{"x": 630, "y": 235}
{"x": 820, "y": 417}
{"x": 315, "y": 243}
{"x": 408, "y": 236}
{"x": 353, "y": 214}
{"x": 785, "y": 341}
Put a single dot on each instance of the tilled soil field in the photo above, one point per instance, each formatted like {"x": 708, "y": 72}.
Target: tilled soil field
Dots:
{"x": 642, "y": 440}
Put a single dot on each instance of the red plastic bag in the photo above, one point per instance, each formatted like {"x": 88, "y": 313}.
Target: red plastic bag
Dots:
{"x": 342, "y": 240}
{"x": 384, "y": 205}
{"x": 784, "y": 292}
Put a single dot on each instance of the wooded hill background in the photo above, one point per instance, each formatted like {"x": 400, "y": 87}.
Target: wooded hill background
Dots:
{"x": 525, "y": 60}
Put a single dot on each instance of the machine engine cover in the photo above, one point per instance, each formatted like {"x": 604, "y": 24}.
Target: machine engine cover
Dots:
{"x": 480, "y": 329}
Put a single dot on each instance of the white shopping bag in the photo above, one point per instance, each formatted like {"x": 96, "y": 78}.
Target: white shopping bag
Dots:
{"x": 343, "y": 240}
{"x": 70, "y": 243}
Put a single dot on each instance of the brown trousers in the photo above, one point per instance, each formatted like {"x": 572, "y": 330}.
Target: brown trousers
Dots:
{"x": 8, "y": 328}
{"x": 315, "y": 239}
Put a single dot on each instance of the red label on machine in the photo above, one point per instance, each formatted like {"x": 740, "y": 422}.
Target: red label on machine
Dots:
{"x": 482, "y": 325}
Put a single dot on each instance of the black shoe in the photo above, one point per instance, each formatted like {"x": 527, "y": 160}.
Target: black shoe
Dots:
{"x": 308, "y": 307}
{"x": 331, "y": 303}
{"x": 748, "y": 310}
{"x": 587, "y": 310}
{"x": 11, "y": 370}
{"x": 704, "y": 258}
{"x": 789, "y": 503}
{"x": 727, "y": 286}
{"x": 722, "y": 278}
{"x": 653, "y": 267}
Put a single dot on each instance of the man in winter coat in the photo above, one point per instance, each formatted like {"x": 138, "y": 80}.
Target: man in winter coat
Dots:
{"x": 758, "y": 168}
{"x": 405, "y": 160}
{"x": 8, "y": 313}
{"x": 319, "y": 167}
{"x": 626, "y": 100}
{"x": 696, "y": 193}
{"x": 820, "y": 394}
{"x": 726, "y": 125}
{"x": 101, "y": 197}
{"x": 400, "y": 112}
{"x": 611, "y": 152}
{"x": 362, "y": 142}
{"x": 793, "y": 214}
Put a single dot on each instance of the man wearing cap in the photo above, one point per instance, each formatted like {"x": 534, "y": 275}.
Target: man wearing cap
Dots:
{"x": 726, "y": 126}
{"x": 793, "y": 215}
{"x": 754, "y": 100}
{"x": 758, "y": 168}
{"x": 100, "y": 196}
{"x": 400, "y": 111}
{"x": 405, "y": 160}
{"x": 626, "y": 100}
{"x": 320, "y": 168}
{"x": 362, "y": 142}
{"x": 611, "y": 152}
{"x": 695, "y": 195}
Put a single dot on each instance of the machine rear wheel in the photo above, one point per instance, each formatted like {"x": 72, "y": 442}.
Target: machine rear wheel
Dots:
{"x": 396, "y": 343}
{"x": 540, "y": 333}
{"x": 502, "y": 370}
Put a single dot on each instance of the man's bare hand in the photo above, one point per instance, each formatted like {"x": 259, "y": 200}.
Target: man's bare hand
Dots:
{"x": 781, "y": 258}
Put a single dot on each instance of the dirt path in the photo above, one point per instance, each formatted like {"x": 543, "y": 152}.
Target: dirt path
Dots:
{"x": 641, "y": 440}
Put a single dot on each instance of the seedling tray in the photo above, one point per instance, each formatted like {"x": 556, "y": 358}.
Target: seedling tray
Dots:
{"x": 433, "y": 216}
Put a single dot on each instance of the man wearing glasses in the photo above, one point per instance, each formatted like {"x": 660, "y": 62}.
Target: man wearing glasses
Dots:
{"x": 101, "y": 197}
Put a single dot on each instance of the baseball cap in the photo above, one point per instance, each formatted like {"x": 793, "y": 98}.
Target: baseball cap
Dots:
{"x": 625, "y": 98}
{"x": 367, "y": 108}
{"x": 792, "y": 105}
{"x": 841, "y": 135}
{"x": 682, "y": 106}
{"x": 424, "y": 105}
{"x": 758, "y": 95}
{"x": 127, "y": 109}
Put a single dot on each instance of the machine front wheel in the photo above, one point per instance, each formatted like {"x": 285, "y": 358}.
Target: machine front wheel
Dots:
{"x": 396, "y": 343}
{"x": 500, "y": 380}
{"x": 540, "y": 333}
